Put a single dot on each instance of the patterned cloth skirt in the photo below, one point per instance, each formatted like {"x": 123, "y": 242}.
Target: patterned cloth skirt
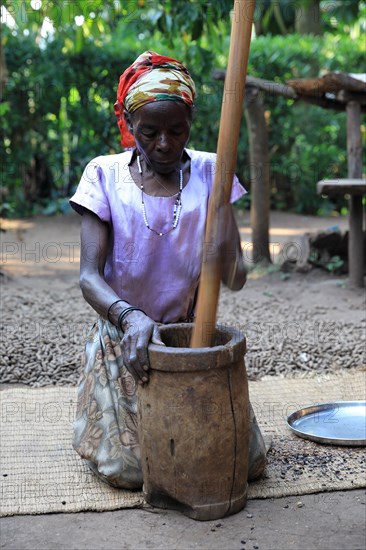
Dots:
{"x": 105, "y": 429}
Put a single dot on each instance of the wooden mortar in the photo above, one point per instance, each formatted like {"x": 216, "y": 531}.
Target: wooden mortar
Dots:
{"x": 194, "y": 424}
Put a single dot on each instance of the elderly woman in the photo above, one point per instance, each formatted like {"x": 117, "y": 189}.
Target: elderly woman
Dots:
{"x": 143, "y": 222}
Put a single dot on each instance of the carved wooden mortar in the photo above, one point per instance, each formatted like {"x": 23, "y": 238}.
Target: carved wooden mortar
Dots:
{"x": 194, "y": 424}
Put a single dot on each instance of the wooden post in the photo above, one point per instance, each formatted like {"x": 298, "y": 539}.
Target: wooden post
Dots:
{"x": 259, "y": 175}
{"x": 227, "y": 148}
{"x": 354, "y": 154}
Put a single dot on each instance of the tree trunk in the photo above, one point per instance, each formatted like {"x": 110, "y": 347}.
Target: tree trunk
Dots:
{"x": 307, "y": 18}
{"x": 259, "y": 175}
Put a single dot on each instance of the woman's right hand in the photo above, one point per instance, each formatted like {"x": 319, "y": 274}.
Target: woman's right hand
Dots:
{"x": 139, "y": 330}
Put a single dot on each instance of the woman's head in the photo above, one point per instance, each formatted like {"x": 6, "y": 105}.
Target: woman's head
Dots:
{"x": 161, "y": 131}
{"x": 153, "y": 93}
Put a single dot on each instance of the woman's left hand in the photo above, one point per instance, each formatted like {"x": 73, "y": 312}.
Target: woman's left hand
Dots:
{"x": 139, "y": 330}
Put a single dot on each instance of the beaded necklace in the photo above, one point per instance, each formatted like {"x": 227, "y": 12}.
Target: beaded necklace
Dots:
{"x": 177, "y": 203}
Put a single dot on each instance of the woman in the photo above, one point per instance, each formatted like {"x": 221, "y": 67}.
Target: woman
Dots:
{"x": 144, "y": 214}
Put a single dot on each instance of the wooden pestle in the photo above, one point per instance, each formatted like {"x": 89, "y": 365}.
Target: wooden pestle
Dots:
{"x": 227, "y": 148}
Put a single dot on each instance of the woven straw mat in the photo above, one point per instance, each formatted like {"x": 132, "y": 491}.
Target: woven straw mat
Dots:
{"x": 41, "y": 473}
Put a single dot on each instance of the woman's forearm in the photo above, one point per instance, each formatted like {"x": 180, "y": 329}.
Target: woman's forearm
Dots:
{"x": 100, "y": 296}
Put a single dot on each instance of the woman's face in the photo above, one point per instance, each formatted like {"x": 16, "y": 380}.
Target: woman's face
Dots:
{"x": 161, "y": 130}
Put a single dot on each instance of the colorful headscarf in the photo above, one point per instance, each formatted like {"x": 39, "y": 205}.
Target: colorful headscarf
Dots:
{"x": 152, "y": 77}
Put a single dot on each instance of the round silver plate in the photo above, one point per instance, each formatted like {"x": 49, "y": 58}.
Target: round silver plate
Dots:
{"x": 338, "y": 423}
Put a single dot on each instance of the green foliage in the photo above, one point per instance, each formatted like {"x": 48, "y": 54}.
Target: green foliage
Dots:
{"x": 280, "y": 16}
{"x": 307, "y": 143}
{"x": 57, "y": 109}
{"x": 333, "y": 264}
{"x": 60, "y": 116}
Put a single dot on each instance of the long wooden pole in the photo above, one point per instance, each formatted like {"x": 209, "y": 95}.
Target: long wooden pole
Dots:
{"x": 227, "y": 148}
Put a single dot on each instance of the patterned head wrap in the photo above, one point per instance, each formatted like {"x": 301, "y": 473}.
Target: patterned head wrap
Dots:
{"x": 152, "y": 77}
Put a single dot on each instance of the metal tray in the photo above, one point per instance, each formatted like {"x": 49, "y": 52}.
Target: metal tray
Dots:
{"x": 338, "y": 423}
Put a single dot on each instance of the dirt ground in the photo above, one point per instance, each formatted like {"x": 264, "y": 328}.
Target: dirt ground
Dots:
{"x": 296, "y": 325}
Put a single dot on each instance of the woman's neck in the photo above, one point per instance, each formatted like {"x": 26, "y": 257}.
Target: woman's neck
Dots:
{"x": 156, "y": 184}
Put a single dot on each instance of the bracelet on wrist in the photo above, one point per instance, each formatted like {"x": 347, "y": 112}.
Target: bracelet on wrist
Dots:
{"x": 110, "y": 307}
{"x": 125, "y": 312}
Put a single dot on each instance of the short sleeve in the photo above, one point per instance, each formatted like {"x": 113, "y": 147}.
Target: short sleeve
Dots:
{"x": 91, "y": 193}
{"x": 206, "y": 163}
{"x": 237, "y": 190}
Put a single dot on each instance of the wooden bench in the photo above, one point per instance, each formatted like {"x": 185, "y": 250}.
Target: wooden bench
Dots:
{"x": 356, "y": 255}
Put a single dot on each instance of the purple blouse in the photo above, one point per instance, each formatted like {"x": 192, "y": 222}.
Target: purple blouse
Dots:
{"x": 157, "y": 274}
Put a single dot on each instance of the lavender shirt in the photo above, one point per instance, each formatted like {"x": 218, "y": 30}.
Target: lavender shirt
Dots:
{"x": 157, "y": 274}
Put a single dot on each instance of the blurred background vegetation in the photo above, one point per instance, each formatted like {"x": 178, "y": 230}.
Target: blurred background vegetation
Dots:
{"x": 61, "y": 61}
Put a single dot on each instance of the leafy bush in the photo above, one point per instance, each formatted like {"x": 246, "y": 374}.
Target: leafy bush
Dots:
{"x": 307, "y": 143}
{"x": 59, "y": 117}
{"x": 57, "y": 113}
